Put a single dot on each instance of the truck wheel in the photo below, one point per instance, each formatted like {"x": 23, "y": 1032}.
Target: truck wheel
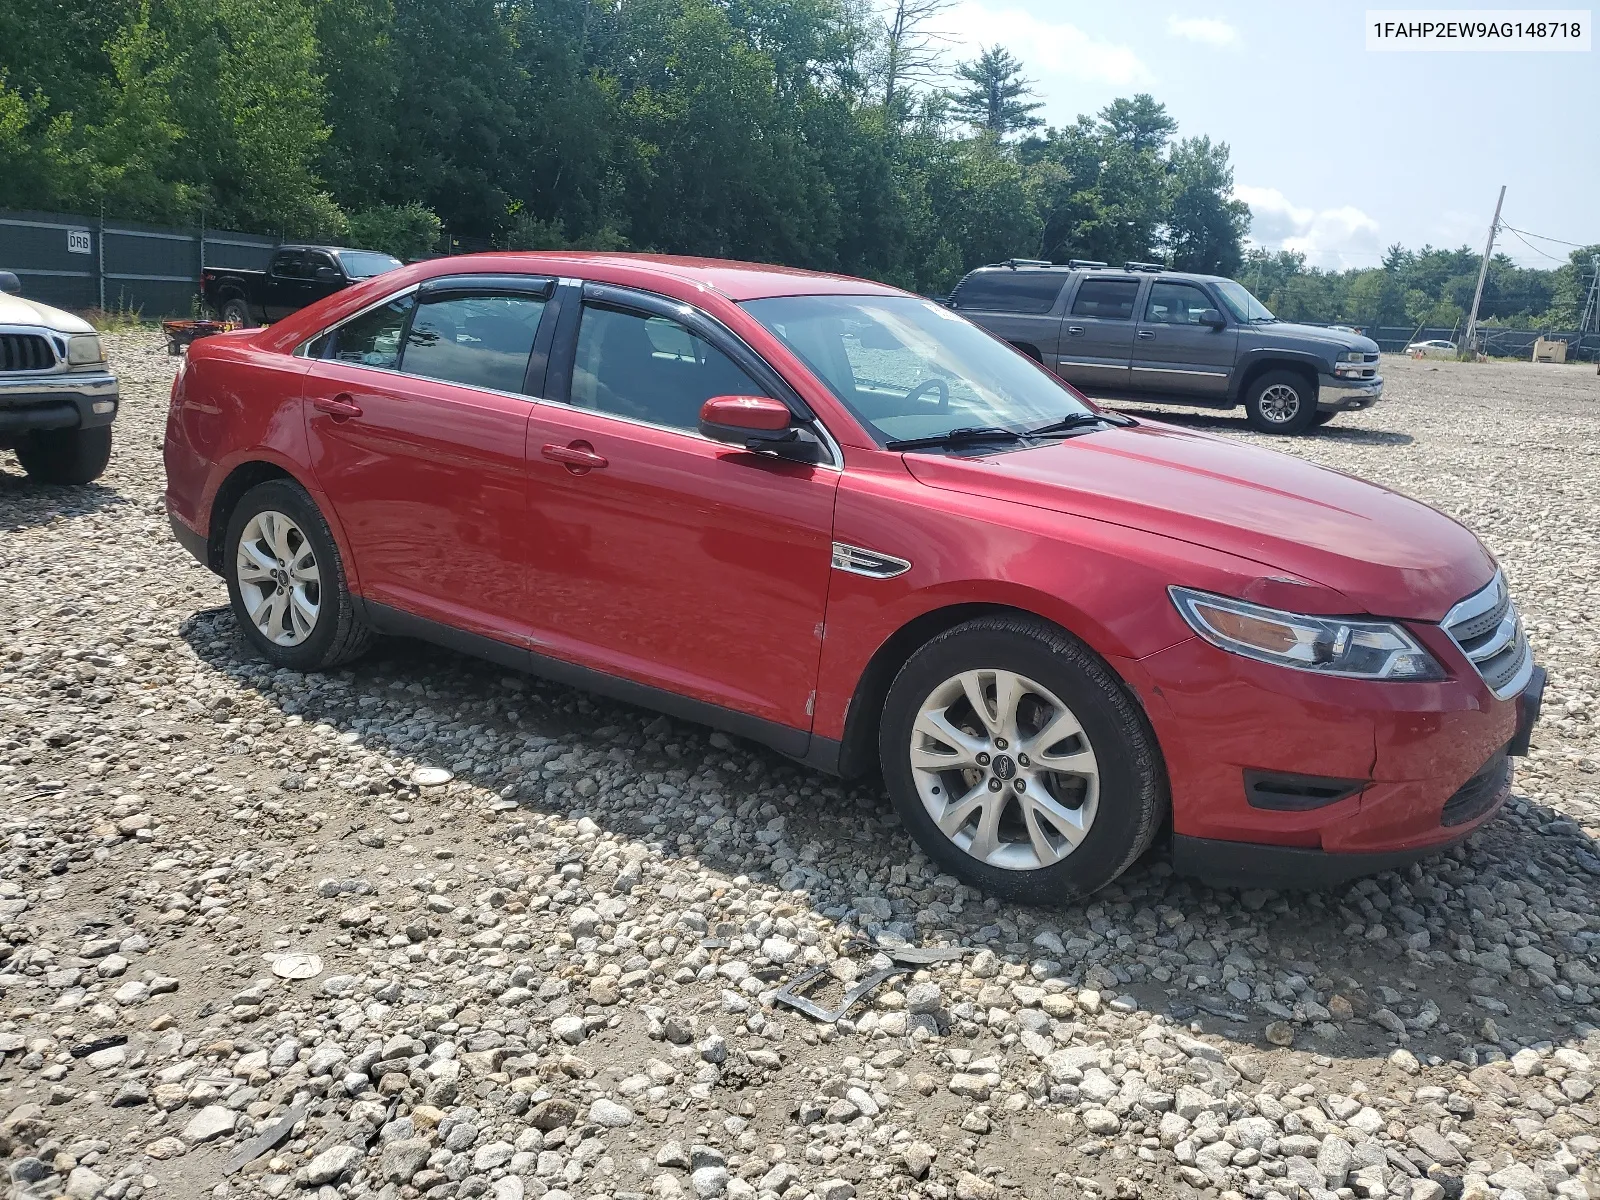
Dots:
{"x": 1281, "y": 402}
{"x": 1019, "y": 762}
{"x": 236, "y": 311}
{"x": 66, "y": 455}
{"x": 286, "y": 582}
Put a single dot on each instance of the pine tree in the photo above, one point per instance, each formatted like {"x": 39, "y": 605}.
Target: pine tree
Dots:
{"x": 995, "y": 100}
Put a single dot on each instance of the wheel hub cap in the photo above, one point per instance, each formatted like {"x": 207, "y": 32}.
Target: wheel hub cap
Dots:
{"x": 1005, "y": 769}
{"x": 1280, "y": 403}
{"x": 280, "y": 584}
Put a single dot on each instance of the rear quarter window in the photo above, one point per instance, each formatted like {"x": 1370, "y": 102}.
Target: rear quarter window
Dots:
{"x": 1009, "y": 291}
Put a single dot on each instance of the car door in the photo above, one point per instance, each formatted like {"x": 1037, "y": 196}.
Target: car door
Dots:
{"x": 416, "y": 415}
{"x": 286, "y": 288}
{"x": 1097, "y": 335}
{"x": 1174, "y": 351}
{"x": 657, "y": 555}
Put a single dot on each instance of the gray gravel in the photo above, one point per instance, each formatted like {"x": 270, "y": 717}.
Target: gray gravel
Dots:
{"x": 236, "y": 933}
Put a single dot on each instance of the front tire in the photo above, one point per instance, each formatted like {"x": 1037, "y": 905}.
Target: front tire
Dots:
{"x": 69, "y": 456}
{"x": 1281, "y": 402}
{"x": 1019, "y": 762}
{"x": 286, "y": 582}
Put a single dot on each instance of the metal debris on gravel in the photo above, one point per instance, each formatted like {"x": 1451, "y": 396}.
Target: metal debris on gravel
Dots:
{"x": 550, "y": 973}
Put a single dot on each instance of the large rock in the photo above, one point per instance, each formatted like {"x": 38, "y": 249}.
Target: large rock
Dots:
{"x": 210, "y": 1123}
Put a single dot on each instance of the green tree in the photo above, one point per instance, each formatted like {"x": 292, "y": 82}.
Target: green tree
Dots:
{"x": 995, "y": 99}
{"x": 1204, "y": 225}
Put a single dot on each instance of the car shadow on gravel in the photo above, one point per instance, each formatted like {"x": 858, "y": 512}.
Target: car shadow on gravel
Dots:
{"x": 1227, "y": 422}
{"x": 24, "y": 503}
{"x": 1456, "y": 956}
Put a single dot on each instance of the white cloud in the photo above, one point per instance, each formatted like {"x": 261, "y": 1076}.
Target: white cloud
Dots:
{"x": 1332, "y": 238}
{"x": 1045, "y": 47}
{"x": 1208, "y": 31}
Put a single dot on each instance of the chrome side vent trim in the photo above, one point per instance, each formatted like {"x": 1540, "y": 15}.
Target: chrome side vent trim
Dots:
{"x": 1486, "y": 628}
{"x": 867, "y": 562}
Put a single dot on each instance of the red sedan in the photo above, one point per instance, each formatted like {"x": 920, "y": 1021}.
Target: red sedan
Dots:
{"x": 844, "y": 522}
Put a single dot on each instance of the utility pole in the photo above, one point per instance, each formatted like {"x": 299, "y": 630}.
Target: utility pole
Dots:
{"x": 1483, "y": 272}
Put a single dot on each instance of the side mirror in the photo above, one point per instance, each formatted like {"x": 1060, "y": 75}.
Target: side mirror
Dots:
{"x": 1211, "y": 317}
{"x": 327, "y": 275}
{"x": 10, "y": 283}
{"x": 757, "y": 423}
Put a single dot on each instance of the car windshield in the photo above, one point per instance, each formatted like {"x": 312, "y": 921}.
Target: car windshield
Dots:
{"x": 364, "y": 264}
{"x": 1241, "y": 303}
{"x": 908, "y": 368}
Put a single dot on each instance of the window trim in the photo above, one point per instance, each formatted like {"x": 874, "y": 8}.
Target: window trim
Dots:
{"x": 1146, "y": 319}
{"x": 1084, "y": 282}
{"x": 645, "y": 305}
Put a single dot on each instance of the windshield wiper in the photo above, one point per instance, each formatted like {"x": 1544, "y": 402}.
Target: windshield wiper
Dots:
{"x": 961, "y": 436}
{"x": 1079, "y": 421}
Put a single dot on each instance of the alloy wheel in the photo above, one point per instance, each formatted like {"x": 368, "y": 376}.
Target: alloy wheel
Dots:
{"x": 279, "y": 581}
{"x": 1005, "y": 769}
{"x": 1279, "y": 403}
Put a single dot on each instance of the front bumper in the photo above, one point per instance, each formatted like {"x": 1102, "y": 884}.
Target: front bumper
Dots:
{"x": 1289, "y": 779}
{"x": 1336, "y": 393}
{"x": 57, "y": 400}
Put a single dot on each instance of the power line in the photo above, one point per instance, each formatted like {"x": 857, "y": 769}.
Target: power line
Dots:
{"x": 1545, "y": 238}
{"x": 1517, "y": 233}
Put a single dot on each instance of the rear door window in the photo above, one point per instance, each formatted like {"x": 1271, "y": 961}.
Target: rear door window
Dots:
{"x": 479, "y": 340}
{"x": 290, "y": 265}
{"x": 1107, "y": 299}
{"x": 373, "y": 338}
{"x": 1010, "y": 291}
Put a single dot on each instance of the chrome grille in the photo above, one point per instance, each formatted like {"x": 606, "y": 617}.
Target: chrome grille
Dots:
{"x": 25, "y": 352}
{"x": 1486, "y": 628}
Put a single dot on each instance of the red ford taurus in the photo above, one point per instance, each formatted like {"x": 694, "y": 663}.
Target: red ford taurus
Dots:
{"x": 842, "y": 521}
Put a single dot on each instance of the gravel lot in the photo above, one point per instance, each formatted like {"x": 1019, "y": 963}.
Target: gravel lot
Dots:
{"x": 552, "y": 976}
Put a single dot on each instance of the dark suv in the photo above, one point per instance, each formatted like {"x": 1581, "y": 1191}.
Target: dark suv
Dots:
{"x": 1143, "y": 332}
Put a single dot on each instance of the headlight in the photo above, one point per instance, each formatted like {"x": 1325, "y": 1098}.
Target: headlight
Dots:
{"x": 1323, "y": 645}
{"x": 84, "y": 349}
{"x": 1353, "y": 356}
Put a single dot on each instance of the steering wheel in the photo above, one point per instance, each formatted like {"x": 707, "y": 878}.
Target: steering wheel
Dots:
{"x": 935, "y": 384}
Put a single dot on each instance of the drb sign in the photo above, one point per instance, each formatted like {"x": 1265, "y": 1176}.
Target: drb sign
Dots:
{"x": 78, "y": 242}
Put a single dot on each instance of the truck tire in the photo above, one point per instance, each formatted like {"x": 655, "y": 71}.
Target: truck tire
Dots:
{"x": 236, "y": 311}
{"x": 1044, "y": 794}
{"x": 66, "y": 455}
{"x": 1281, "y": 402}
{"x": 286, "y": 581}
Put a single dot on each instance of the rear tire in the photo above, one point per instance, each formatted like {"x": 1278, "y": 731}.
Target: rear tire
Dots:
{"x": 1062, "y": 795}
{"x": 236, "y": 311}
{"x": 1281, "y": 402}
{"x": 66, "y": 455}
{"x": 286, "y": 581}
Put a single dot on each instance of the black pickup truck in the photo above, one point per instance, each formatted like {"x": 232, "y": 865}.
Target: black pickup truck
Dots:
{"x": 295, "y": 277}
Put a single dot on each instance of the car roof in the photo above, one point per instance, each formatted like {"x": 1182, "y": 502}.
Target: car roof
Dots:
{"x": 734, "y": 280}
{"x": 1107, "y": 272}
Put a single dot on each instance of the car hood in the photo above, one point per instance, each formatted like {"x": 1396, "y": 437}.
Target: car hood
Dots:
{"x": 1281, "y": 330}
{"x": 14, "y": 310}
{"x": 1386, "y": 553}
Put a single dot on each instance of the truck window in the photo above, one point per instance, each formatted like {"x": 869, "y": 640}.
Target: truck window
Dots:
{"x": 1108, "y": 299}
{"x": 480, "y": 341}
{"x": 318, "y": 259}
{"x": 289, "y": 264}
{"x": 1176, "y": 304}
{"x": 1010, "y": 291}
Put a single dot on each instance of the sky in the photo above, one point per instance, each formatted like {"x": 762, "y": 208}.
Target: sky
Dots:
{"x": 1338, "y": 150}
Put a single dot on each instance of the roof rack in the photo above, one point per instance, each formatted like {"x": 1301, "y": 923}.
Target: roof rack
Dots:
{"x": 1078, "y": 264}
{"x": 1143, "y": 266}
{"x": 1014, "y": 263}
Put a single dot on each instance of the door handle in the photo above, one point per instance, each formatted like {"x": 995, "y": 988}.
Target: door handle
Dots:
{"x": 341, "y": 407}
{"x": 1074, "y": 330}
{"x": 1147, "y": 334}
{"x": 579, "y": 457}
